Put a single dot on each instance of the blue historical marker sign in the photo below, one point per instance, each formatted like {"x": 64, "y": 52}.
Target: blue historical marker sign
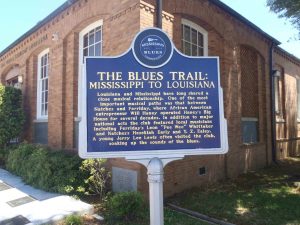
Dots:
{"x": 151, "y": 101}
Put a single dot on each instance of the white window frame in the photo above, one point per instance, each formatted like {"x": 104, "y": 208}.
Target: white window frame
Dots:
{"x": 39, "y": 115}
{"x": 199, "y": 29}
{"x": 81, "y": 59}
{"x": 84, "y": 32}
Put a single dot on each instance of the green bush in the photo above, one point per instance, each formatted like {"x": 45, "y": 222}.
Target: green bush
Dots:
{"x": 40, "y": 167}
{"x": 73, "y": 220}
{"x": 99, "y": 177}
{"x": 125, "y": 206}
{"x": 11, "y": 114}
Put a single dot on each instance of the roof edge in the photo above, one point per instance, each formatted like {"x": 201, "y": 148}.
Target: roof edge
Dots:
{"x": 283, "y": 52}
{"x": 68, "y": 3}
{"x": 238, "y": 16}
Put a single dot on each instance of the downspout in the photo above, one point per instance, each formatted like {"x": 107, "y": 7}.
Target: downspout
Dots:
{"x": 273, "y": 113}
{"x": 159, "y": 14}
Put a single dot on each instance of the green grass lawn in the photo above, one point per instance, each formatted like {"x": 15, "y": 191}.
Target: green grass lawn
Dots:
{"x": 268, "y": 197}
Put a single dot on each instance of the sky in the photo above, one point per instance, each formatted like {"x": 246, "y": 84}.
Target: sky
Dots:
{"x": 19, "y": 16}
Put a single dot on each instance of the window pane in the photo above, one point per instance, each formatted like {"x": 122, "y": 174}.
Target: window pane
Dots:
{"x": 46, "y": 109}
{"x": 187, "y": 48}
{"x": 43, "y": 98}
{"x": 85, "y": 52}
{"x": 194, "y": 50}
{"x": 200, "y": 51}
{"x": 200, "y": 39}
{"x": 85, "y": 40}
{"x": 187, "y": 33}
{"x": 46, "y": 60}
{"x": 45, "y": 71}
{"x": 194, "y": 36}
{"x": 250, "y": 131}
{"x": 42, "y": 110}
{"x": 91, "y": 38}
{"x": 46, "y": 97}
{"x": 97, "y": 50}
{"x": 46, "y": 85}
{"x": 91, "y": 51}
{"x": 98, "y": 36}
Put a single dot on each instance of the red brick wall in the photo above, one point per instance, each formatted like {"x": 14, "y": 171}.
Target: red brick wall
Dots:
{"x": 226, "y": 38}
{"x": 288, "y": 127}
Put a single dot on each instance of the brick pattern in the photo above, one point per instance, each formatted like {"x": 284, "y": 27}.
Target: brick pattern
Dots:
{"x": 244, "y": 57}
{"x": 287, "y": 126}
{"x": 249, "y": 75}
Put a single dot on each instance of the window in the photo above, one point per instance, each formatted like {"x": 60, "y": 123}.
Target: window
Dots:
{"x": 276, "y": 89}
{"x": 252, "y": 65}
{"x": 13, "y": 82}
{"x": 91, "y": 40}
{"x": 249, "y": 130}
{"x": 278, "y": 83}
{"x": 90, "y": 44}
{"x": 12, "y": 77}
{"x": 42, "y": 85}
{"x": 194, "y": 39}
{"x": 298, "y": 100}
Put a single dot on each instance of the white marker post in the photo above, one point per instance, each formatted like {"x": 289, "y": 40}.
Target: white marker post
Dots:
{"x": 156, "y": 196}
{"x": 155, "y": 172}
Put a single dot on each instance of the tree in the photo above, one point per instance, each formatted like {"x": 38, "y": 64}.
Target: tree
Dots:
{"x": 289, "y": 9}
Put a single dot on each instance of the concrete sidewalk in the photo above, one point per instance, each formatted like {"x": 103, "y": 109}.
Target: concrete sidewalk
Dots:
{"x": 21, "y": 204}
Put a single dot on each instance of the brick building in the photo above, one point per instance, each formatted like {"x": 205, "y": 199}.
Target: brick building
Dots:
{"x": 46, "y": 63}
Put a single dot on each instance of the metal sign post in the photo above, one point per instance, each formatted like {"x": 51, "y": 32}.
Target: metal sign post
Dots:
{"x": 155, "y": 172}
{"x": 151, "y": 105}
{"x": 156, "y": 178}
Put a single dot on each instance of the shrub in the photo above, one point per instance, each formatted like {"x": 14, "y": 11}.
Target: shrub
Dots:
{"x": 73, "y": 220}
{"x": 125, "y": 205}
{"x": 54, "y": 171}
{"x": 99, "y": 177}
{"x": 11, "y": 114}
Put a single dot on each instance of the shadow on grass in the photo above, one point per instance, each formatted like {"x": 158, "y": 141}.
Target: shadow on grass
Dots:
{"x": 269, "y": 197}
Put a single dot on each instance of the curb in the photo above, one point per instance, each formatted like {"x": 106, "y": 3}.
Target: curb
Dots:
{"x": 198, "y": 215}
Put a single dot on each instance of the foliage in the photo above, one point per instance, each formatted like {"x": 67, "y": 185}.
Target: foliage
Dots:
{"x": 3, "y": 155}
{"x": 40, "y": 167}
{"x": 125, "y": 206}
{"x": 11, "y": 114}
{"x": 99, "y": 177}
{"x": 73, "y": 220}
{"x": 170, "y": 218}
{"x": 286, "y": 8}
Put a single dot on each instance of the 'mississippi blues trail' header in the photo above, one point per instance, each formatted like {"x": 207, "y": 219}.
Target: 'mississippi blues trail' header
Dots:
{"x": 152, "y": 101}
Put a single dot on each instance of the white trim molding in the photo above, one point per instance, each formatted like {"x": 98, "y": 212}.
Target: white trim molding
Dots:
{"x": 250, "y": 119}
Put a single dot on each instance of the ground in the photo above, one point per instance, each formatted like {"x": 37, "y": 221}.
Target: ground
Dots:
{"x": 268, "y": 197}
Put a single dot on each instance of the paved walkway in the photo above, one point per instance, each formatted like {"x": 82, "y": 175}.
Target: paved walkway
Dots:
{"x": 21, "y": 204}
